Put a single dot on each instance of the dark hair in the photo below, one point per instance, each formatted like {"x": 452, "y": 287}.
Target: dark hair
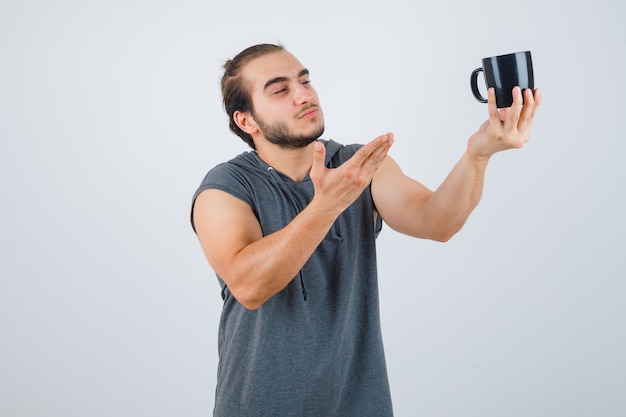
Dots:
{"x": 235, "y": 91}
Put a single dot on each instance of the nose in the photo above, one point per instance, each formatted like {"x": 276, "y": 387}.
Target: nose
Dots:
{"x": 302, "y": 94}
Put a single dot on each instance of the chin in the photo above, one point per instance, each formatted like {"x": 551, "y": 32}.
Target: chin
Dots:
{"x": 316, "y": 135}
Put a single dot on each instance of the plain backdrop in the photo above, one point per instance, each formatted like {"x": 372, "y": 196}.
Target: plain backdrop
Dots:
{"x": 110, "y": 115}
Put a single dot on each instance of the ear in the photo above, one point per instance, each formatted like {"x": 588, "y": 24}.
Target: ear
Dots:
{"x": 245, "y": 121}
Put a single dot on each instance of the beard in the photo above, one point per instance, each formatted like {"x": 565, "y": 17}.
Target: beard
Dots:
{"x": 279, "y": 134}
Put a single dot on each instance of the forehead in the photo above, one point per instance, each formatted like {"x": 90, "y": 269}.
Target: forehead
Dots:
{"x": 267, "y": 67}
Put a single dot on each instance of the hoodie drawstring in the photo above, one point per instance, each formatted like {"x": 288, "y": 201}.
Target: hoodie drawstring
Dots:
{"x": 303, "y": 287}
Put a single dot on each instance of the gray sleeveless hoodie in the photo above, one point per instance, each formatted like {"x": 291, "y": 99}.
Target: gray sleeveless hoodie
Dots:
{"x": 315, "y": 348}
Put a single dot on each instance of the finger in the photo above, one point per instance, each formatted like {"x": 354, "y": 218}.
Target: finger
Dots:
{"x": 380, "y": 153}
{"x": 502, "y": 113}
{"x": 528, "y": 111}
{"x": 538, "y": 97}
{"x": 373, "y": 162}
{"x": 368, "y": 159}
{"x": 372, "y": 148}
{"x": 319, "y": 156}
{"x": 513, "y": 116}
{"x": 381, "y": 141}
{"x": 492, "y": 107}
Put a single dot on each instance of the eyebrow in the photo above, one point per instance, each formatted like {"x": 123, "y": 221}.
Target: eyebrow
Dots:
{"x": 282, "y": 79}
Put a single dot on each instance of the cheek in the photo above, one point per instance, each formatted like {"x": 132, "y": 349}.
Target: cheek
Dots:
{"x": 316, "y": 98}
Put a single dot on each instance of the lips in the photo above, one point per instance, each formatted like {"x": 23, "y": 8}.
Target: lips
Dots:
{"x": 308, "y": 112}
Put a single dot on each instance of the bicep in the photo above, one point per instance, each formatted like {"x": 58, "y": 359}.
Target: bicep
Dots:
{"x": 225, "y": 225}
{"x": 400, "y": 200}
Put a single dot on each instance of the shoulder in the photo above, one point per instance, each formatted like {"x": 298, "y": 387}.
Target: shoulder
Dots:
{"x": 233, "y": 176}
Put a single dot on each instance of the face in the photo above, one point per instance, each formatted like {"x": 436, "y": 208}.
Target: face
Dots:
{"x": 286, "y": 109}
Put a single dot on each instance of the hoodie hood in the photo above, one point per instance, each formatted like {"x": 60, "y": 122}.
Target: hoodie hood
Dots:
{"x": 244, "y": 160}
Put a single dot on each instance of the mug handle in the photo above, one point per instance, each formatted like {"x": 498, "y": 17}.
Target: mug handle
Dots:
{"x": 474, "y": 85}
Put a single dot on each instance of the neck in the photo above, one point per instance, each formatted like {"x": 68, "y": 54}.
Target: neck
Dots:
{"x": 295, "y": 163}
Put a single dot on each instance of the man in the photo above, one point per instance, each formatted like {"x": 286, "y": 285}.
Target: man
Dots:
{"x": 290, "y": 231}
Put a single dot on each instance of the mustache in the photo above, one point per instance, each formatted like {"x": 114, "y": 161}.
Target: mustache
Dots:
{"x": 306, "y": 109}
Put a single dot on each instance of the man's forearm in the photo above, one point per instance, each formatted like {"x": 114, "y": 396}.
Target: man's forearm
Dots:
{"x": 450, "y": 205}
{"x": 265, "y": 267}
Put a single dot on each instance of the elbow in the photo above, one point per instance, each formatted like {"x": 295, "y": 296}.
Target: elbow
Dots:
{"x": 443, "y": 235}
{"x": 241, "y": 288}
{"x": 248, "y": 301}
{"x": 250, "y": 306}
{"x": 248, "y": 298}
{"x": 442, "y": 238}
{"x": 252, "y": 289}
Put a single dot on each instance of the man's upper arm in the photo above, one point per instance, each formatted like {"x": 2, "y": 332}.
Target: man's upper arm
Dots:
{"x": 225, "y": 225}
{"x": 400, "y": 200}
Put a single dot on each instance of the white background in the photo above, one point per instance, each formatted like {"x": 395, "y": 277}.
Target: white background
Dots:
{"x": 110, "y": 115}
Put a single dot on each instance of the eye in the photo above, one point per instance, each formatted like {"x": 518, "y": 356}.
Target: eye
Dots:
{"x": 306, "y": 82}
{"x": 280, "y": 91}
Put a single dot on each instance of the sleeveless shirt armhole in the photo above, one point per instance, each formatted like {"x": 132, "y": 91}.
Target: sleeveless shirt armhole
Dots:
{"x": 221, "y": 187}
{"x": 378, "y": 224}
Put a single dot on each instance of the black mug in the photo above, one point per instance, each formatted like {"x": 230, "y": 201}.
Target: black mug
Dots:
{"x": 504, "y": 72}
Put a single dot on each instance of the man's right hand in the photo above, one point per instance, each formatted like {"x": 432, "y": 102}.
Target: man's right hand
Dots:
{"x": 337, "y": 188}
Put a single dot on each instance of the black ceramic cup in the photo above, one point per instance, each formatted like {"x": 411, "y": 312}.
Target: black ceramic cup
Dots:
{"x": 503, "y": 72}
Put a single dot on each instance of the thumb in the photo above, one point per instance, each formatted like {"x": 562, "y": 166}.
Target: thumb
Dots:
{"x": 319, "y": 155}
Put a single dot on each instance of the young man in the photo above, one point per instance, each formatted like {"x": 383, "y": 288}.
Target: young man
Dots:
{"x": 289, "y": 229}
